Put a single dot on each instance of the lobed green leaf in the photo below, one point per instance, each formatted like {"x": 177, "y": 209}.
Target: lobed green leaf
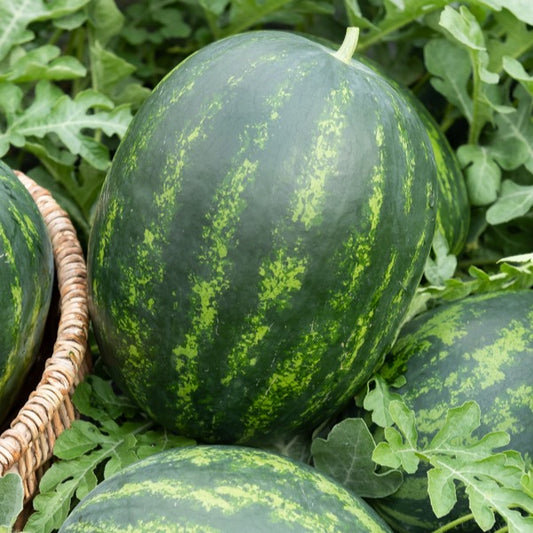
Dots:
{"x": 17, "y": 15}
{"x": 11, "y": 500}
{"x": 115, "y": 436}
{"x": 346, "y": 455}
{"x": 494, "y": 481}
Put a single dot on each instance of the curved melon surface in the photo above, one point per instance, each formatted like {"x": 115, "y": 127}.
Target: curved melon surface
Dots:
{"x": 453, "y": 209}
{"x": 26, "y": 280}
{"x": 453, "y": 206}
{"x": 479, "y": 348}
{"x": 222, "y": 489}
{"x": 259, "y": 237}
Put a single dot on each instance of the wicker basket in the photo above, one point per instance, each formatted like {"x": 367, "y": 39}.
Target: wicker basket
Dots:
{"x": 26, "y": 446}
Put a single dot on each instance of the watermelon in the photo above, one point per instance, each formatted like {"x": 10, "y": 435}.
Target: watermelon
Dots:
{"x": 478, "y": 348}
{"x": 453, "y": 207}
{"x": 221, "y": 488}
{"x": 259, "y": 237}
{"x": 26, "y": 279}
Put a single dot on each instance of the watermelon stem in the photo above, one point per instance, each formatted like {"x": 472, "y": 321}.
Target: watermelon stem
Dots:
{"x": 348, "y": 46}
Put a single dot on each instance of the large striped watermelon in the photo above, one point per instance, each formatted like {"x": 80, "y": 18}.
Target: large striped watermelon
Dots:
{"x": 479, "y": 348}
{"x": 261, "y": 232}
{"x": 26, "y": 280}
{"x": 209, "y": 489}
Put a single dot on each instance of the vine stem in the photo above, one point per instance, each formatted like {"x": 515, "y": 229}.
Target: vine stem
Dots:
{"x": 475, "y": 129}
{"x": 458, "y": 521}
{"x": 258, "y": 14}
{"x": 397, "y": 21}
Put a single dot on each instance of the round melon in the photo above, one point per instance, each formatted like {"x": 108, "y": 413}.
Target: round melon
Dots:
{"x": 26, "y": 281}
{"x": 479, "y": 348}
{"x": 224, "y": 489}
{"x": 259, "y": 237}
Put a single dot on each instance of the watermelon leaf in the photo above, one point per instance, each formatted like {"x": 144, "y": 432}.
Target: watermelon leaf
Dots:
{"x": 515, "y": 272}
{"x": 527, "y": 483}
{"x": 511, "y": 144}
{"x": 53, "y": 112}
{"x": 377, "y": 400}
{"x": 16, "y": 16}
{"x": 400, "y": 445}
{"x": 451, "y": 69}
{"x": 43, "y": 63}
{"x": 496, "y": 483}
{"x": 522, "y": 10}
{"x": 463, "y": 26}
{"x": 516, "y": 70}
{"x": 346, "y": 455}
{"x": 11, "y": 501}
{"x": 482, "y": 173}
{"x": 440, "y": 264}
{"x": 113, "y": 436}
{"x": 515, "y": 200}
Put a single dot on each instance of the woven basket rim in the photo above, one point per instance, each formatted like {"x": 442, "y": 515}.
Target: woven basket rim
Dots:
{"x": 28, "y": 442}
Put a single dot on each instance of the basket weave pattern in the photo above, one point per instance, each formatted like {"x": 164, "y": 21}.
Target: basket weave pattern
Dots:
{"x": 26, "y": 447}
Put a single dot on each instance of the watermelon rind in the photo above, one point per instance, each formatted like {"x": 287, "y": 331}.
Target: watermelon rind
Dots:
{"x": 222, "y": 489}
{"x": 26, "y": 280}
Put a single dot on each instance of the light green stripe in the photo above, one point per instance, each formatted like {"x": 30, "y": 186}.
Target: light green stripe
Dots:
{"x": 113, "y": 211}
{"x": 410, "y": 164}
{"x": 324, "y": 155}
{"x": 144, "y": 270}
{"x": 218, "y": 235}
{"x": 279, "y": 279}
{"x": 142, "y": 526}
{"x": 28, "y": 229}
{"x": 306, "y": 209}
{"x": 226, "y": 499}
{"x": 7, "y": 256}
{"x": 501, "y": 417}
{"x": 281, "y": 274}
{"x": 361, "y": 246}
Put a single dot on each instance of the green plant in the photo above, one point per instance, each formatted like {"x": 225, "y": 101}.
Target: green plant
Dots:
{"x": 479, "y": 348}
{"x": 111, "y": 435}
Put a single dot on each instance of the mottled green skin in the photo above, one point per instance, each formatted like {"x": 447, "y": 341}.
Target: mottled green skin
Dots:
{"x": 259, "y": 237}
{"x": 453, "y": 207}
{"x": 481, "y": 349}
{"x": 223, "y": 489}
{"x": 26, "y": 279}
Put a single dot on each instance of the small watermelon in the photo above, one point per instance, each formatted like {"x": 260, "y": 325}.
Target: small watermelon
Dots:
{"x": 226, "y": 489}
{"x": 479, "y": 348}
{"x": 259, "y": 237}
{"x": 26, "y": 280}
